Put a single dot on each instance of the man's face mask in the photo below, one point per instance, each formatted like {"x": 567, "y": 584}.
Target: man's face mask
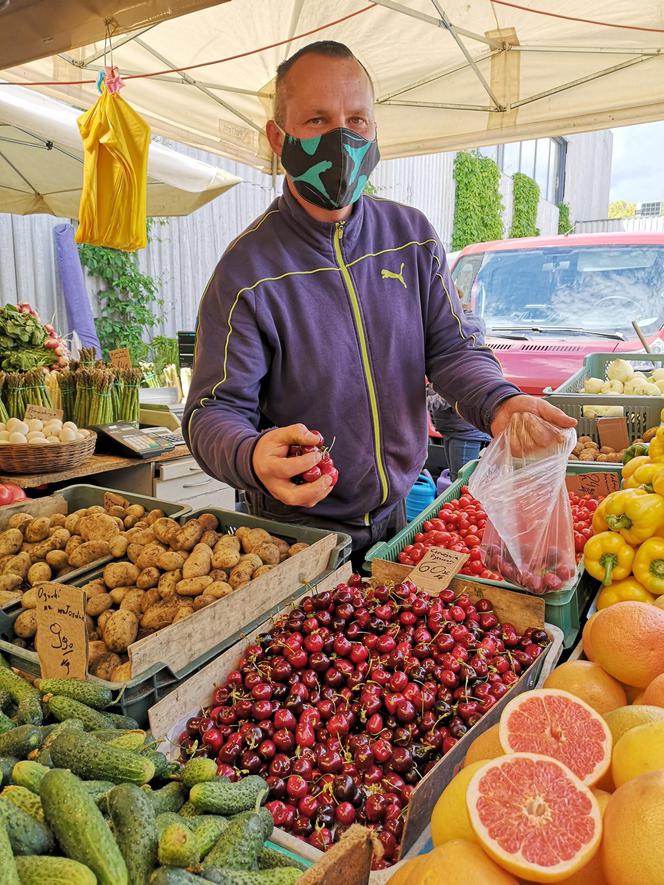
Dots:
{"x": 330, "y": 170}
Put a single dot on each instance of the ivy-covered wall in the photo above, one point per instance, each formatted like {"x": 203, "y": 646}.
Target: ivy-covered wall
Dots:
{"x": 565, "y": 225}
{"x": 524, "y": 206}
{"x": 478, "y": 207}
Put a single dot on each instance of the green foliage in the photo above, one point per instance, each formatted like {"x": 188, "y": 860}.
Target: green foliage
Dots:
{"x": 478, "y": 207}
{"x": 164, "y": 352}
{"x": 524, "y": 207}
{"x": 622, "y": 209}
{"x": 565, "y": 226}
{"x": 370, "y": 189}
{"x": 127, "y": 300}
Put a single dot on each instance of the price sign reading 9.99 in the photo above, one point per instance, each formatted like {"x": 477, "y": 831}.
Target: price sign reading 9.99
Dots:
{"x": 436, "y": 569}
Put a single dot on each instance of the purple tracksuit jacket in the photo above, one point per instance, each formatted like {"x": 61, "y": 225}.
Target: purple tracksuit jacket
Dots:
{"x": 334, "y": 326}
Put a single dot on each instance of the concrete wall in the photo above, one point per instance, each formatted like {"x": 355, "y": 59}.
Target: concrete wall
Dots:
{"x": 653, "y": 224}
{"x": 588, "y": 174}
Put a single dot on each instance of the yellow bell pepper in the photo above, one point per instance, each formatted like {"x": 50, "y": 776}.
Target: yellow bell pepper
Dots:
{"x": 645, "y": 474}
{"x": 656, "y": 450}
{"x": 657, "y": 481}
{"x": 599, "y": 522}
{"x": 632, "y": 466}
{"x": 649, "y": 565}
{"x": 628, "y": 590}
{"x": 608, "y": 556}
{"x": 636, "y": 517}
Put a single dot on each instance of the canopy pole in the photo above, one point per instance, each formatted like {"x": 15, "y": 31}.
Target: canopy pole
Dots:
{"x": 432, "y": 20}
{"x": 471, "y": 61}
{"x": 588, "y": 79}
{"x": 462, "y": 66}
{"x": 20, "y": 175}
{"x": 120, "y": 41}
{"x": 442, "y": 106}
{"x": 190, "y": 80}
{"x": 588, "y": 50}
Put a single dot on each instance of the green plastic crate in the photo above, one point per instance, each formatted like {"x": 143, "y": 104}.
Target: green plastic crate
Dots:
{"x": 563, "y": 609}
{"x": 83, "y": 495}
{"x": 641, "y": 412}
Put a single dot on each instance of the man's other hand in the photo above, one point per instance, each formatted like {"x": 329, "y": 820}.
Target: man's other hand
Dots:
{"x": 534, "y": 433}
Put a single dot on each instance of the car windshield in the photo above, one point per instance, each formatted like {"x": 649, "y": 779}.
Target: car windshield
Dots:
{"x": 566, "y": 290}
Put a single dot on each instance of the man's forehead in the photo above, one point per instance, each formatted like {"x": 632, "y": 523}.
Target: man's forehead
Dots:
{"x": 320, "y": 67}
{"x": 319, "y": 109}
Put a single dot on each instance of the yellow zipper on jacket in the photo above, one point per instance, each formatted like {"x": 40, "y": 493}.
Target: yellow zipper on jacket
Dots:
{"x": 364, "y": 352}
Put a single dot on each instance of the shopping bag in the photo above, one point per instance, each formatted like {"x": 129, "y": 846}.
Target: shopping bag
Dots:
{"x": 113, "y": 203}
{"x": 529, "y": 536}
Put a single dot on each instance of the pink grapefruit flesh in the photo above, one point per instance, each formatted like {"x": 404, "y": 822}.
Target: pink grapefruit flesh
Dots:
{"x": 555, "y": 723}
{"x": 534, "y": 816}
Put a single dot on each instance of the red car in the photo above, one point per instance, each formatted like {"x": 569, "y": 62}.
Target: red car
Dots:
{"x": 549, "y": 301}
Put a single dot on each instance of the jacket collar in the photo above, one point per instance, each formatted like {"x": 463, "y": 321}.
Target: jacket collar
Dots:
{"x": 319, "y": 234}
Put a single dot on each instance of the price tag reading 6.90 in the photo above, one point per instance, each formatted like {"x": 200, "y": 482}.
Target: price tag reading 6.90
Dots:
{"x": 436, "y": 569}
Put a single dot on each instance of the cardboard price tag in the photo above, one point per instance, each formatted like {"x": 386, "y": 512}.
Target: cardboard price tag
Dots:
{"x": 120, "y": 358}
{"x": 42, "y": 413}
{"x": 597, "y": 485}
{"x": 436, "y": 569}
{"x": 613, "y": 433}
{"x": 62, "y": 637}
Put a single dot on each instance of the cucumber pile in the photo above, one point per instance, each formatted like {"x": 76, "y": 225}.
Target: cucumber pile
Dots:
{"x": 85, "y": 798}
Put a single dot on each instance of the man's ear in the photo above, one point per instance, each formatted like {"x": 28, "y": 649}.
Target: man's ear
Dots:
{"x": 275, "y": 137}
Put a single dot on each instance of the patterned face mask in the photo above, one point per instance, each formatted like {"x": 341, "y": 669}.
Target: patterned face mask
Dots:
{"x": 330, "y": 170}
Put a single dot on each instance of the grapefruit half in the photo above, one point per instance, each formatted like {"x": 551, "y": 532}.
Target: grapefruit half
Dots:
{"x": 555, "y": 723}
{"x": 534, "y": 816}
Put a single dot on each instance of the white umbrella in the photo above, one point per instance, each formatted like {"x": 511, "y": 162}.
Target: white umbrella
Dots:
{"x": 41, "y": 163}
{"x": 34, "y": 28}
{"x": 449, "y": 74}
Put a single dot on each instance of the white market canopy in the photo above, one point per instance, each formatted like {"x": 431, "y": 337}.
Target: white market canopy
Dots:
{"x": 41, "y": 163}
{"x": 449, "y": 74}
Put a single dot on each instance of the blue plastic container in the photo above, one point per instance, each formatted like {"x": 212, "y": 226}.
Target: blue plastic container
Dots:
{"x": 420, "y": 496}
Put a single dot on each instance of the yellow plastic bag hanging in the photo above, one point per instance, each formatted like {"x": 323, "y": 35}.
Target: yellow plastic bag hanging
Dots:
{"x": 115, "y": 174}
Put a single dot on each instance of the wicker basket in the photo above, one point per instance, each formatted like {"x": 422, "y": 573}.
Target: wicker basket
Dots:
{"x": 49, "y": 458}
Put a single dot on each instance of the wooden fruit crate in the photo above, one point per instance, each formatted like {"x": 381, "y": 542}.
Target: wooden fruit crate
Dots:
{"x": 169, "y": 716}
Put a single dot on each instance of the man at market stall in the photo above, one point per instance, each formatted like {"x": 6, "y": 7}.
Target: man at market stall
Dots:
{"x": 326, "y": 314}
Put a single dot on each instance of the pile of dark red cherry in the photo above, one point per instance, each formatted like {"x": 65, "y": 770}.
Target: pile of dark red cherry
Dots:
{"x": 352, "y": 697}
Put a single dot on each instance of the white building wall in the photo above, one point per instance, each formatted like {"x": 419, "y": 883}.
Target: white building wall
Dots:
{"x": 588, "y": 174}
{"x": 426, "y": 182}
{"x": 507, "y": 196}
{"x": 547, "y": 218}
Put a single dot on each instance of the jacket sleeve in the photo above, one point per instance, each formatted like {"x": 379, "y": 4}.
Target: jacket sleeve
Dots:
{"x": 461, "y": 368}
{"x": 221, "y": 417}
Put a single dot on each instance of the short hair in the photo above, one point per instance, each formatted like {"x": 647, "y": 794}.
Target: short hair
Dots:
{"x": 329, "y": 48}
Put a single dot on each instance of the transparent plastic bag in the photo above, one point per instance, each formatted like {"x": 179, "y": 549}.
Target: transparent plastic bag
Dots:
{"x": 529, "y": 536}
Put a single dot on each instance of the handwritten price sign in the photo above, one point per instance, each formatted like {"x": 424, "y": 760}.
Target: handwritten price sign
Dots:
{"x": 120, "y": 358}
{"x": 62, "y": 637}
{"x": 436, "y": 569}
{"x": 597, "y": 485}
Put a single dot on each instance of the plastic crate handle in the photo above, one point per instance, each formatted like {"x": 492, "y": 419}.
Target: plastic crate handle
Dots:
{"x": 342, "y": 552}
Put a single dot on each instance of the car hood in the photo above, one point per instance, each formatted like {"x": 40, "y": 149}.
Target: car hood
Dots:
{"x": 541, "y": 362}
